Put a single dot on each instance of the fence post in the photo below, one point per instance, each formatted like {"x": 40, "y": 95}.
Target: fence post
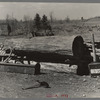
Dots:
{"x": 37, "y": 69}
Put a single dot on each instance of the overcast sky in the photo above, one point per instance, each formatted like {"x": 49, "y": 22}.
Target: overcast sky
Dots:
{"x": 59, "y": 10}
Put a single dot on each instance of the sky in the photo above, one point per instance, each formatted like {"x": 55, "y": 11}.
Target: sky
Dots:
{"x": 59, "y": 10}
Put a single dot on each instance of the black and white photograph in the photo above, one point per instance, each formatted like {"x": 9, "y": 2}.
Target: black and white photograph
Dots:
{"x": 49, "y": 50}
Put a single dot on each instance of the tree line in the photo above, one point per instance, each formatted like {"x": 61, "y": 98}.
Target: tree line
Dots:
{"x": 30, "y": 26}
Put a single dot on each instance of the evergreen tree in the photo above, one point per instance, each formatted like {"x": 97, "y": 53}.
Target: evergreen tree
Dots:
{"x": 44, "y": 22}
{"x": 37, "y": 21}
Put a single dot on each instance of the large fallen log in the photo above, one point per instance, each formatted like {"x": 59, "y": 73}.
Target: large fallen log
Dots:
{"x": 48, "y": 56}
{"x": 43, "y": 56}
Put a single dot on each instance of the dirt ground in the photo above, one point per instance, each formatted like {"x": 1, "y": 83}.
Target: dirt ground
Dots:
{"x": 63, "y": 84}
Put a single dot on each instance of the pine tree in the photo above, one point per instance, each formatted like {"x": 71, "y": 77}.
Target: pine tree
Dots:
{"x": 44, "y": 22}
{"x": 37, "y": 21}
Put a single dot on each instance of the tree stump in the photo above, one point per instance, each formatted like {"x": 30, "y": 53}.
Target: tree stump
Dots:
{"x": 81, "y": 51}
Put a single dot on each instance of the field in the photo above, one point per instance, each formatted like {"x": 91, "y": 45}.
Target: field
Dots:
{"x": 62, "y": 79}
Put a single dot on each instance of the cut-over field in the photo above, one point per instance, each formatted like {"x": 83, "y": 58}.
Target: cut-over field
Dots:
{"x": 62, "y": 79}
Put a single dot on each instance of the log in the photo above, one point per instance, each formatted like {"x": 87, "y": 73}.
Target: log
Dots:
{"x": 17, "y": 65}
{"x": 43, "y": 56}
{"x": 11, "y": 67}
{"x": 47, "y": 56}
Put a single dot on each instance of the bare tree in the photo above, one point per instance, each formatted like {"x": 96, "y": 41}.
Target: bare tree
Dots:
{"x": 67, "y": 19}
{"x": 82, "y": 18}
{"x": 8, "y": 24}
{"x": 7, "y": 18}
{"x": 27, "y": 21}
{"x": 9, "y": 29}
{"x": 11, "y": 23}
{"x": 51, "y": 17}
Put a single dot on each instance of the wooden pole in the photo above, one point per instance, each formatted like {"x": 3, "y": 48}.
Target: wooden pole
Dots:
{"x": 93, "y": 47}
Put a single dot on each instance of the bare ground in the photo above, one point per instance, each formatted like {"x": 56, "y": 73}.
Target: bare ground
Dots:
{"x": 61, "y": 83}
